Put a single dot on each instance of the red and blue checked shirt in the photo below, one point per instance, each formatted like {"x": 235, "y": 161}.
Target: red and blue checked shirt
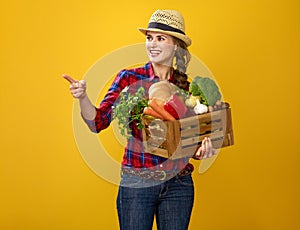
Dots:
{"x": 134, "y": 155}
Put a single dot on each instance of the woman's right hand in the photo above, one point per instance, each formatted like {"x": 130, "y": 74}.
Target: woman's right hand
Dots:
{"x": 77, "y": 88}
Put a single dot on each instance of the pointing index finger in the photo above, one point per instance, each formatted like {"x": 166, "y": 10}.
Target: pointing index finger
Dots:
{"x": 69, "y": 79}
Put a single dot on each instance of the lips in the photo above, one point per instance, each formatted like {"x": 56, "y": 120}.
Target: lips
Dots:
{"x": 154, "y": 52}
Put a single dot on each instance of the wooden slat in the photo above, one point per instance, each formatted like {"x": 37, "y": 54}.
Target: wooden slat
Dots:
{"x": 229, "y": 128}
{"x": 217, "y": 143}
{"x": 157, "y": 133}
{"x": 193, "y": 140}
{"x": 217, "y": 134}
{"x": 173, "y": 140}
{"x": 187, "y": 132}
{"x": 186, "y": 152}
{"x": 157, "y": 151}
{"x": 157, "y": 142}
{"x": 189, "y": 151}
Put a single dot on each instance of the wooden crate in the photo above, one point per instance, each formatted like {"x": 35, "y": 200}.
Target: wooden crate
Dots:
{"x": 181, "y": 138}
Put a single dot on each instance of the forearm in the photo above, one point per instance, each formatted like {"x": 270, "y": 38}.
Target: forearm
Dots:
{"x": 88, "y": 110}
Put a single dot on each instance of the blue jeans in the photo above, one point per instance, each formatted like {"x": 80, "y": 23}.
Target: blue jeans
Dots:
{"x": 170, "y": 201}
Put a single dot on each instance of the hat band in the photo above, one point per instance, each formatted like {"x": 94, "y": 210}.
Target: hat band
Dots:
{"x": 157, "y": 25}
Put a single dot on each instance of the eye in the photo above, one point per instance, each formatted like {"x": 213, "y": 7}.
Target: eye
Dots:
{"x": 161, "y": 38}
{"x": 148, "y": 38}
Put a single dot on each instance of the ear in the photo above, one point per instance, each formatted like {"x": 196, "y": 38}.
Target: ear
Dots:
{"x": 175, "y": 47}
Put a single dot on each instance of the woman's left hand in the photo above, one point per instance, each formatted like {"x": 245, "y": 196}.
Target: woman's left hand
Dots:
{"x": 206, "y": 150}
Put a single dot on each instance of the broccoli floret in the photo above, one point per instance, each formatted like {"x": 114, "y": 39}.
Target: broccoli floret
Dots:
{"x": 207, "y": 89}
{"x": 195, "y": 87}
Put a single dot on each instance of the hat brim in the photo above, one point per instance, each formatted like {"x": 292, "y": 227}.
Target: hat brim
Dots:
{"x": 180, "y": 36}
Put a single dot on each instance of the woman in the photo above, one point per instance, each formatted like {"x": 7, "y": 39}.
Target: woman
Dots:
{"x": 167, "y": 191}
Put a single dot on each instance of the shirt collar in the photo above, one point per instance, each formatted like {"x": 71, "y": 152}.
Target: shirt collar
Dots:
{"x": 150, "y": 72}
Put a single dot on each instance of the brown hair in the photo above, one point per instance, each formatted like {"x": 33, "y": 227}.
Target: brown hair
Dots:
{"x": 182, "y": 56}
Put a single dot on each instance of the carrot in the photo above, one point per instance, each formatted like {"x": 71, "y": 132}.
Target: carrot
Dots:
{"x": 149, "y": 111}
{"x": 161, "y": 111}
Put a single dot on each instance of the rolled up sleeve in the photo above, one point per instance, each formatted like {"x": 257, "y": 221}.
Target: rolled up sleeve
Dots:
{"x": 104, "y": 112}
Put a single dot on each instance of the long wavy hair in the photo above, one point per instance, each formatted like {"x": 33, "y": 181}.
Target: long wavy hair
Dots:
{"x": 182, "y": 58}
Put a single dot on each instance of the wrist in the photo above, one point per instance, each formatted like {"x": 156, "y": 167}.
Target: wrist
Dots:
{"x": 83, "y": 96}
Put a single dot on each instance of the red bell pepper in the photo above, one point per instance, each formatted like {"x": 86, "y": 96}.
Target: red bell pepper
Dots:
{"x": 175, "y": 107}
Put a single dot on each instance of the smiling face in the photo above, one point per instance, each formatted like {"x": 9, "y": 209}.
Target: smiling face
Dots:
{"x": 160, "y": 48}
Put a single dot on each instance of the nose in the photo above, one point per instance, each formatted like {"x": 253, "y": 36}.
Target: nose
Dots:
{"x": 152, "y": 43}
{"x": 154, "y": 39}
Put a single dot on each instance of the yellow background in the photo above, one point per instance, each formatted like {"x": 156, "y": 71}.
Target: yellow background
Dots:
{"x": 251, "y": 46}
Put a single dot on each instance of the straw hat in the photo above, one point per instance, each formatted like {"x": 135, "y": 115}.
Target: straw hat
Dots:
{"x": 169, "y": 22}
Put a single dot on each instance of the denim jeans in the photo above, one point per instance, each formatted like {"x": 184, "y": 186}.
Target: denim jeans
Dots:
{"x": 171, "y": 202}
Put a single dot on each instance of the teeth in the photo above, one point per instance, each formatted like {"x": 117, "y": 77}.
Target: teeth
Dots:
{"x": 154, "y": 51}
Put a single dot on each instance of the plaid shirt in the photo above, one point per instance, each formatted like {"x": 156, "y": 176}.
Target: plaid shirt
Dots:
{"x": 134, "y": 155}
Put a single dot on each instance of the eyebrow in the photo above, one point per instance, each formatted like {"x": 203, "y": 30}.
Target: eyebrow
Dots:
{"x": 157, "y": 34}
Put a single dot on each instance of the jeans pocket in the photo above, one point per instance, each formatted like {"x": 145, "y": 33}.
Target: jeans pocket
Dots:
{"x": 186, "y": 180}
